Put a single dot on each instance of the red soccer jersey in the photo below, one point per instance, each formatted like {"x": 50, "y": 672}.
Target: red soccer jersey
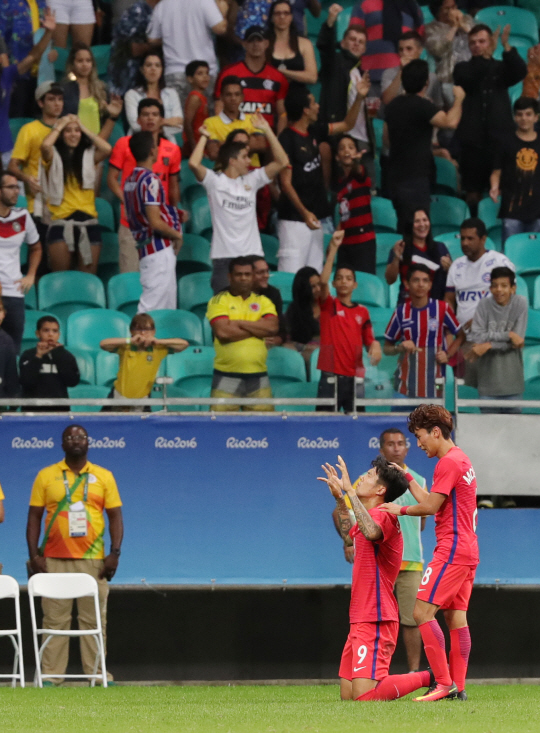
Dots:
{"x": 455, "y": 522}
{"x": 345, "y": 330}
{"x": 200, "y": 115}
{"x": 167, "y": 165}
{"x": 261, "y": 90}
{"x": 376, "y": 567}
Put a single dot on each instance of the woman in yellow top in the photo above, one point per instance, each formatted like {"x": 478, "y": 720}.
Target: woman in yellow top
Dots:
{"x": 69, "y": 155}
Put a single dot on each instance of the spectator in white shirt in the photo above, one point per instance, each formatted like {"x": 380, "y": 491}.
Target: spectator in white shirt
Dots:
{"x": 232, "y": 193}
{"x": 184, "y": 28}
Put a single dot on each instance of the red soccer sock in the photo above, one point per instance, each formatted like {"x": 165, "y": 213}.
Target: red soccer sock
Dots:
{"x": 397, "y": 685}
{"x": 460, "y": 648}
{"x": 435, "y": 649}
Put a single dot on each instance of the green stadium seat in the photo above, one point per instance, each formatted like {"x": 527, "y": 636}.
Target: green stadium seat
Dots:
{"x": 283, "y": 281}
{"x": 90, "y": 391}
{"x": 380, "y": 318}
{"x": 376, "y": 389}
{"x": 524, "y": 28}
{"x": 531, "y": 362}
{"x": 15, "y": 124}
{"x": 314, "y": 373}
{"x": 447, "y": 213}
{"x": 315, "y": 89}
{"x": 194, "y": 292}
{"x": 532, "y": 392}
{"x": 385, "y": 243}
{"x": 173, "y": 391}
{"x": 194, "y": 255}
{"x": 370, "y": 291}
{"x": 295, "y": 389}
{"x": 22, "y": 201}
{"x": 107, "y": 365}
{"x": 31, "y": 317}
{"x": 108, "y": 257}
{"x": 105, "y": 215}
{"x": 536, "y": 294}
{"x": 118, "y": 131}
{"x": 64, "y": 293}
{"x": 452, "y": 240}
{"x": 124, "y": 292}
{"x": 86, "y": 364}
{"x": 532, "y": 334}
{"x": 384, "y": 215}
{"x": 30, "y": 299}
{"x": 270, "y": 247}
{"x": 60, "y": 63}
{"x": 102, "y": 54}
{"x": 193, "y": 362}
{"x": 343, "y": 20}
{"x": 314, "y": 25}
{"x": 285, "y": 365}
{"x": 447, "y": 180}
{"x": 378, "y": 172}
{"x": 393, "y": 294}
{"x": 488, "y": 211}
{"x": 378, "y": 127}
{"x": 524, "y": 251}
{"x": 178, "y": 324}
{"x": 468, "y": 393}
{"x": 87, "y": 328}
{"x": 187, "y": 179}
{"x": 208, "y": 336}
{"x": 201, "y": 219}
{"x": 522, "y": 288}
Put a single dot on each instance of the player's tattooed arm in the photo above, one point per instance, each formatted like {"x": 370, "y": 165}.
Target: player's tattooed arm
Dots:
{"x": 336, "y": 489}
{"x": 366, "y": 525}
{"x": 344, "y": 520}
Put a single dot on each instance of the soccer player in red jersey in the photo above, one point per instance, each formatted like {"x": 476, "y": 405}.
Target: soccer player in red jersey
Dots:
{"x": 448, "y": 580}
{"x": 378, "y": 549}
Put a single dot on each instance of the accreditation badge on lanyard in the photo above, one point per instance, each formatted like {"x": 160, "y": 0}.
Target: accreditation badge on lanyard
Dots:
{"x": 78, "y": 524}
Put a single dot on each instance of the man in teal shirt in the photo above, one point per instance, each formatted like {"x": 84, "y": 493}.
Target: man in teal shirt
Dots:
{"x": 393, "y": 446}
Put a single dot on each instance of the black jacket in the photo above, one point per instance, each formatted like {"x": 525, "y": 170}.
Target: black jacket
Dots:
{"x": 48, "y": 376}
{"x": 487, "y": 112}
{"x": 9, "y": 380}
{"x": 336, "y": 64}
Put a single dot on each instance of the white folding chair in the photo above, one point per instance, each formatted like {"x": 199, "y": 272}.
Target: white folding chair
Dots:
{"x": 9, "y": 588}
{"x": 65, "y": 586}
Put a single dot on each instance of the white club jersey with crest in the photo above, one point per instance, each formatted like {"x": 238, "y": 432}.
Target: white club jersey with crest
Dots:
{"x": 471, "y": 281}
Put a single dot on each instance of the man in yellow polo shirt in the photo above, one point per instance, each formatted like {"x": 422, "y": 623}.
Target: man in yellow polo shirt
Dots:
{"x": 393, "y": 447}
{"x": 240, "y": 321}
{"x": 76, "y": 495}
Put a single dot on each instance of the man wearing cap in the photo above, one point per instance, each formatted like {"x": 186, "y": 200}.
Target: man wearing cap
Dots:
{"x": 264, "y": 87}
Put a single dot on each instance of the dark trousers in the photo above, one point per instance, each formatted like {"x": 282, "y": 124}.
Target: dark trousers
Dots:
{"x": 407, "y": 197}
{"x": 14, "y": 321}
{"x": 361, "y": 257}
{"x": 345, "y": 387}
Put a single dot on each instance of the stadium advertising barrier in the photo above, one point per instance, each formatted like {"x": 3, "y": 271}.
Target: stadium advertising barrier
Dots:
{"x": 231, "y": 499}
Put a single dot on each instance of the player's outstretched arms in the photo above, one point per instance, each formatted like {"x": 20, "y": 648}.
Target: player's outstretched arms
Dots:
{"x": 334, "y": 484}
{"x": 369, "y": 528}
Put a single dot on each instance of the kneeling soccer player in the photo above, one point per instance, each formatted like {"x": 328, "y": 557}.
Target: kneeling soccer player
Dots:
{"x": 378, "y": 549}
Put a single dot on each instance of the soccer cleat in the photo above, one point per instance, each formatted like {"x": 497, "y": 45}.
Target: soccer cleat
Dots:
{"x": 459, "y": 696}
{"x": 439, "y": 693}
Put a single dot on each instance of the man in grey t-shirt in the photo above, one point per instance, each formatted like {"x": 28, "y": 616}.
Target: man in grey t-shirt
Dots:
{"x": 498, "y": 336}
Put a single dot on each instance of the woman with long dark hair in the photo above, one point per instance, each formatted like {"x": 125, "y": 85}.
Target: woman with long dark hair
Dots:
{"x": 418, "y": 246}
{"x": 69, "y": 155}
{"x": 303, "y": 313}
{"x": 150, "y": 84}
{"x": 292, "y": 54}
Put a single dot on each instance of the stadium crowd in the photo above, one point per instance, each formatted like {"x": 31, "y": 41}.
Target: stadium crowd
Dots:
{"x": 310, "y": 179}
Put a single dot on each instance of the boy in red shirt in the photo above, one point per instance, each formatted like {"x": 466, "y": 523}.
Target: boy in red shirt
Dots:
{"x": 345, "y": 331}
{"x": 378, "y": 549}
{"x": 448, "y": 580}
{"x": 196, "y": 107}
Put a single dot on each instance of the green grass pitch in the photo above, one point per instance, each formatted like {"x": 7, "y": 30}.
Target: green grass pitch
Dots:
{"x": 490, "y": 709}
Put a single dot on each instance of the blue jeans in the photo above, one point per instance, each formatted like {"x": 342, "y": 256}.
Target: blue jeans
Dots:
{"x": 501, "y": 410}
{"x": 515, "y": 226}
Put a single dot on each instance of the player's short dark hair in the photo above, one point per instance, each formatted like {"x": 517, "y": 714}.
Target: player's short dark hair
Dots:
{"x": 418, "y": 268}
{"x": 391, "y": 478}
{"x": 296, "y": 101}
{"x": 428, "y": 417}
{"x": 526, "y": 103}
{"x": 344, "y": 267}
{"x": 412, "y": 36}
{"x": 192, "y": 67}
{"x": 46, "y": 319}
{"x": 414, "y": 76}
{"x": 147, "y": 102}
{"x": 226, "y": 152}
{"x": 229, "y": 81}
{"x": 475, "y": 223}
{"x": 478, "y": 28}
{"x": 389, "y": 431}
{"x": 240, "y": 262}
{"x": 141, "y": 145}
{"x": 231, "y": 137}
{"x": 70, "y": 427}
{"x": 503, "y": 272}
{"x": 142, "y": 320}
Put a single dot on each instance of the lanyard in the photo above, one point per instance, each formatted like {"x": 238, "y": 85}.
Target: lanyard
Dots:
{"x": 69, "y": 493}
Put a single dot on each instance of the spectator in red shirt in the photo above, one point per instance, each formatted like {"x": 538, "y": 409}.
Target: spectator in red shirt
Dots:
{"x": 196, "y": 111}
{"x": 265, "y": 88}
{"x": 359, "y": 249}
{"x": 122, "y": 164}
{"x": 345, "y": 331}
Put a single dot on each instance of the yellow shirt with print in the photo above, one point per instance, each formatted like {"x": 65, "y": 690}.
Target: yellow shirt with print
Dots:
{"x": 49, "y": 491}
{"x": 138, "y": 370}
{"x": 75, "y": 199}
{"x": 249, "y": 355}
{"x": 219, "y": 129}
{"x": 28, "y": 149}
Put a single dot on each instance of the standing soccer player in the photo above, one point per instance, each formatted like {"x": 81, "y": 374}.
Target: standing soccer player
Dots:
{"x": 448, "y": 580}
{"x": 378, "y": 549}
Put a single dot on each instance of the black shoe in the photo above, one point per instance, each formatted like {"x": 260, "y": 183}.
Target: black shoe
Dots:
{"x": 459, "y": 696}
{"x": 432, "y": 681}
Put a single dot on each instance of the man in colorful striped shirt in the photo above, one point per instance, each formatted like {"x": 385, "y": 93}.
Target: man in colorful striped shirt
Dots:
{"x": 155, "y": 226}
{"x": 417, "y": 332}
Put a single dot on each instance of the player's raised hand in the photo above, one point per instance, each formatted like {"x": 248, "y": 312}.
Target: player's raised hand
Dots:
{"x": 390, "y": 508}
{"x": 332, "y": 480}
{"x": 345, "y": 479}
